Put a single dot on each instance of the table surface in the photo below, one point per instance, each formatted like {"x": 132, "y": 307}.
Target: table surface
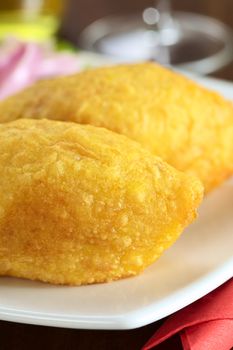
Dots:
{"x": 15, "y": 336}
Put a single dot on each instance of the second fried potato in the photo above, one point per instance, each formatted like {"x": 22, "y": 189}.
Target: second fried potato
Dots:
{"x": 188, "y": 126}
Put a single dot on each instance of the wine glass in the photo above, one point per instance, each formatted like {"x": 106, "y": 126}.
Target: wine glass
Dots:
{"x": 187, "y": 40}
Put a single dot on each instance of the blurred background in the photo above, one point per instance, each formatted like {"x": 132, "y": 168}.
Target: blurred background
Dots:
{"x": 209, "y": 39}
{"x": 194, "y": 35}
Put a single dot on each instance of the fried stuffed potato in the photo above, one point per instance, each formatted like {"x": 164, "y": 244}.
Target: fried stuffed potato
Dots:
{"x": 81, "y": 204}
{"x": 188, "y": 126}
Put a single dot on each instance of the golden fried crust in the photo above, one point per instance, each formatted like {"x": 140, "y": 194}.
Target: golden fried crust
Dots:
{"x": 81, "y": 204}
{"x": 189, "y": 127}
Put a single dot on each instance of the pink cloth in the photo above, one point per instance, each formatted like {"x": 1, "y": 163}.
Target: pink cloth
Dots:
{"x": 207, "y": 324}
{"x": 21, "y": 64}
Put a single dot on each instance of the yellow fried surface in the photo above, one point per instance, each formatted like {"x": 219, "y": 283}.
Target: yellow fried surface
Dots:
{"x": 188, "y": 126}
{"x": 81, "y": 204}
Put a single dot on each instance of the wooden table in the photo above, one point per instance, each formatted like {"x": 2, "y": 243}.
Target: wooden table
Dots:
{"x": 15, "y": 336}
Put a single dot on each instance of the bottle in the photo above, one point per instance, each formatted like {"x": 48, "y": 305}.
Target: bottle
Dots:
{"x": 30, "y": 20}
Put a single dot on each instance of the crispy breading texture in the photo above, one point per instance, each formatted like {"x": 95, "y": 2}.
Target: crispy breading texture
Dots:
{"x": 81, "y": 204}
{"x": 188, "y": 126}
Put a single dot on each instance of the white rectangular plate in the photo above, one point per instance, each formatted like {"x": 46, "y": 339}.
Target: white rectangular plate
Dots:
{"x": 200, "y": 261}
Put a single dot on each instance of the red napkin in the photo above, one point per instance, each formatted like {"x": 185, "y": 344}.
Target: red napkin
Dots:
{"x": 206, "y": 324}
